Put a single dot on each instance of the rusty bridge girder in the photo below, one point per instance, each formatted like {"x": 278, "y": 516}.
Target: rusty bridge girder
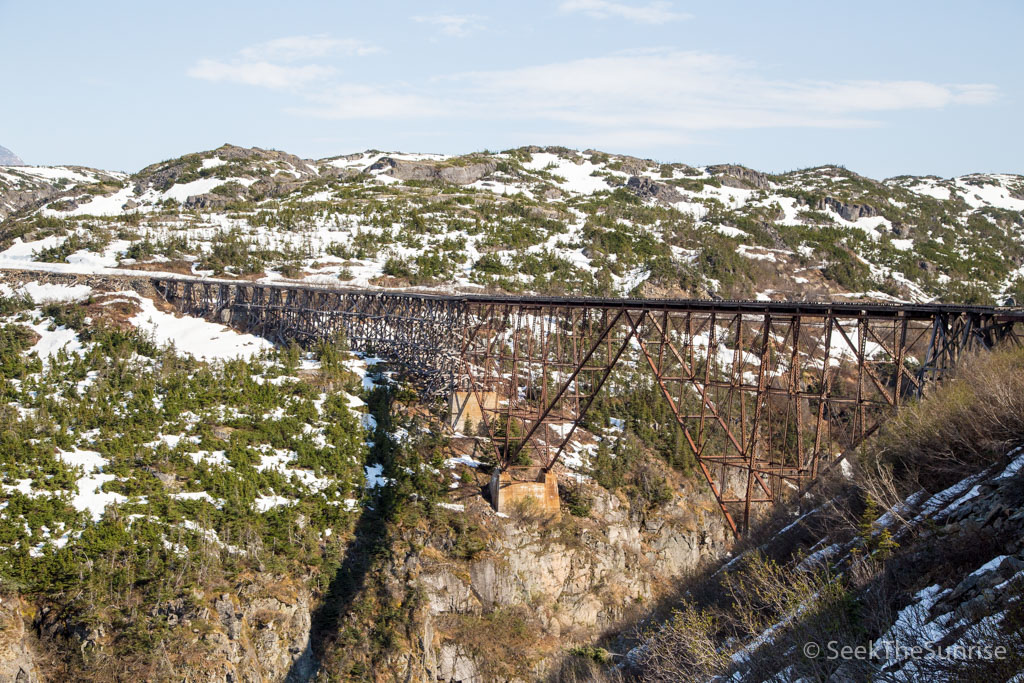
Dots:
{"x": 767, "y": 393}
{"x": 416, "y": 333}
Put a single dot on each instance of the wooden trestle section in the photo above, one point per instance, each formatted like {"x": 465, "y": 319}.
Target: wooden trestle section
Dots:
{"x": 768, "y": 394}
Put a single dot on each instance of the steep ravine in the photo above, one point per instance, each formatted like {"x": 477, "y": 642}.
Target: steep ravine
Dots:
{"x": 565, "y": 582}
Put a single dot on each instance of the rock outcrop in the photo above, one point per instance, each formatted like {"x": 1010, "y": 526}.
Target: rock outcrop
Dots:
{"x": 261, "y": 637}
{"x": 17, "y": 661}
{"x": 634, "y": 165}
{"x": 848, "y": 210}
{"x": 268, "y": 163}
{"x": 645, "y": 188}
{"x": 734, "y": 175}
{"x": 29, "y": 196}
{"x": 22, "y": 190}
{"x": 208, "y": 201}
{"x": 447, "y": 172}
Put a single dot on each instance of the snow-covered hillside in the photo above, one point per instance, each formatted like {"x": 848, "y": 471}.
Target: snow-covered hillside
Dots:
{"x": 170, "y": 485}
{"x": 530, "y": 219}
{"x": 173, "y": 474}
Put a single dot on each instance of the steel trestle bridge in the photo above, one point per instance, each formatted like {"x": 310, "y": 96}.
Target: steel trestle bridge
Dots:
{"x": 767, "y": 394}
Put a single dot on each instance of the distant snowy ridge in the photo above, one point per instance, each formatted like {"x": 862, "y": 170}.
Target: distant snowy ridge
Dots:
{"x": 9, "y": 158}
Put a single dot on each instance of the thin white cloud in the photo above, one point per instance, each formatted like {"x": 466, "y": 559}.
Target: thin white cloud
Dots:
{"x": 263, "y": 74}
{"x": 273, "y": 64}
{"x": 657, "y": 97}
{"x": 357, "y": 101}
{"x": 658, "y": 12}
{"x": 454, "y": 25}
{"x": 864, "y": 96}
{"x": 295, "y": 48}
{"x": 686, "y": 91}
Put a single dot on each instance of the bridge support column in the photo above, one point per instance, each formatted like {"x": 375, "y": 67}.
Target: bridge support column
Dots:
{"x": 539, "y": 491}
{"x": 464, "y": 406}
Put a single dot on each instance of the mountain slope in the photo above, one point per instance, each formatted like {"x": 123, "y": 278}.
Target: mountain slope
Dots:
{"x": 909, "y": 567}
{"x": 180, "y": 501}
{"x": 27, "y": 188}
{"x": 533, "y": 219}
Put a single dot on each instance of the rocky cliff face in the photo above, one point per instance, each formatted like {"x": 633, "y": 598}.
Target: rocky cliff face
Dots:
{"x": 260, "y": 636}
{"x": 17, "y": 660}
{"x": 848, "y": 210}
{"x": 257, "y": 631}
{"x": 547, "y": 586}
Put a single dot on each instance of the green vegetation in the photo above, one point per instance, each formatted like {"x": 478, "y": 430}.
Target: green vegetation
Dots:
{"x": 967, "y": 424}
{"x": 555, "y": 241}
{"x": 95, "y": 240}
{"x": 225, "y": 419}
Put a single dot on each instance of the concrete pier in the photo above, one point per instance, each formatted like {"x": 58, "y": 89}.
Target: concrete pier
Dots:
{"x": 508, "y": 492}
{"x": 463, "y": 406}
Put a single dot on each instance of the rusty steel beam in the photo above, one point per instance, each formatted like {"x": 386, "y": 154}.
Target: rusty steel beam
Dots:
{"x": 767, "y": 394}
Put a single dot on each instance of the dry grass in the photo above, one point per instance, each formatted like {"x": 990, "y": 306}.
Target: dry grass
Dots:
{"x": 963, "y": 426}
{"x": 503, "y": 642}
{"x": 577, "y": 667}
{"x": 761, "y": 601}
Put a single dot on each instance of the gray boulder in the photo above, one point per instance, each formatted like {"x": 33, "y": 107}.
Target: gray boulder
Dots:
{"x": 646, "y": 188}
{"x": 849, "y": 211}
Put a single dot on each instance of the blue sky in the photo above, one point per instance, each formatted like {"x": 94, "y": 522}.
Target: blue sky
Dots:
{"x": 883, "y": 88}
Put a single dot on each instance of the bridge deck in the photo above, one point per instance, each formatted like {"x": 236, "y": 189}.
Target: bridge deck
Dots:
{"x": 914, "y": 311}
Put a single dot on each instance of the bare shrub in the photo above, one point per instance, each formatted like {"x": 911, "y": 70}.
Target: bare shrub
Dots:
{"x": 772, "y": 608}
{"x": 685, "y": 648}
{"x": 527, "y": 511}
{"x": 580, "y": 666}
{"x": 968, "y": 423}
{"x": 781, "y": 608}
{"x": 502, "y": 643}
